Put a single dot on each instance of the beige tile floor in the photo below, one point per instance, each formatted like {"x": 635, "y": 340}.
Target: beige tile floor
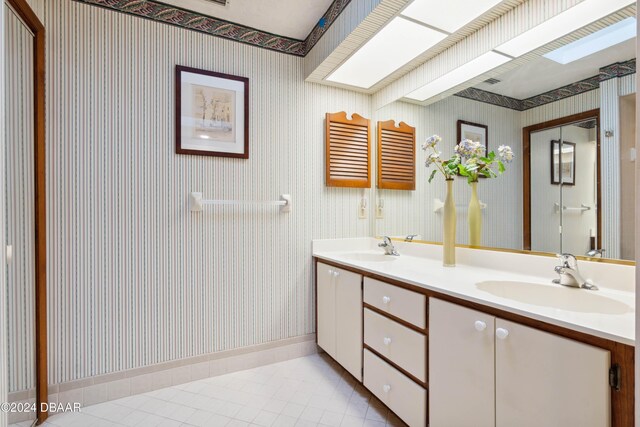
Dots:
{"x": 308, "y": 391}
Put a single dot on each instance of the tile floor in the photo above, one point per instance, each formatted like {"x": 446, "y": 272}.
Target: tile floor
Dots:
{"x": 309, "y": 391}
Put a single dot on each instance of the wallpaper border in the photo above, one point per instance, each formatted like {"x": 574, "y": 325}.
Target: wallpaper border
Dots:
{"x": 173, "y": 15}
{"x": 611, "y": 71}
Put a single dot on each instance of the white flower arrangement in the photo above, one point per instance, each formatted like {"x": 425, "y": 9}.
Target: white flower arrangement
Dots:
{"x": 448, "y": 168}
{"x": 468, "y": 160}
{"x": 474, "y": 164}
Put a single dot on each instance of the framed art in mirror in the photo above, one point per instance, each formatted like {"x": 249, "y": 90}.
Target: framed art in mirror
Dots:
{"x": 475, "y": 132}
{"x": 563, "y": 165}
{"x": 212, "y": 113}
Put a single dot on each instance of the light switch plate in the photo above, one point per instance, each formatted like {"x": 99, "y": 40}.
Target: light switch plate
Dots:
{"x": 380, "y": 209}
{"x": 362, "y": 208}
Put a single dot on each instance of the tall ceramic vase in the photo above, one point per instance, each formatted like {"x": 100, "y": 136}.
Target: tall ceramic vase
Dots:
{"x": 449, "y": 232}
{"x": 475, "y": 217}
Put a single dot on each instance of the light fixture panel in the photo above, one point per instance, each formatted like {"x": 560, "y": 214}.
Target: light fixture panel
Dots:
{"x": 450, "y": 15}
{"x": 595, "y": 42}
{"x": 474, "y": 68}
{"x": 392, "y": 47}
{"x": 564, "y": 23}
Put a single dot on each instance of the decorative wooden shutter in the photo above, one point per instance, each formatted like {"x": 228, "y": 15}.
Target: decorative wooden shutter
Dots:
{"x": 348, "y": 144}
{"x": 396, "y": 156}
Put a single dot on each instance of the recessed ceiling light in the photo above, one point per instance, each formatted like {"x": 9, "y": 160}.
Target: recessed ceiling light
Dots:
{"x": 449, "y": 16}
{"x": 564, "y": 23}
{"x": 395, "y": 45}
{"x": 466, "y": 72}
{"x": 600, "y": 40}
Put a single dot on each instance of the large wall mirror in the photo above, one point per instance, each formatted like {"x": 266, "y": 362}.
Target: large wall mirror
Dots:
{"x": 568, "y": 112}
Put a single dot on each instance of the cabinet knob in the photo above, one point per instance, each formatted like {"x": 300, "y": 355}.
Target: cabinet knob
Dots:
{"x": 386, "y": 340}
{"x": 386, "y": 300}
{"x": 330, "y": 272}
{"x": 386, "y": 388}
{"x": 480, "y": 325}
{"x": 336, "y": 273}
{"x": 502, "y": 333}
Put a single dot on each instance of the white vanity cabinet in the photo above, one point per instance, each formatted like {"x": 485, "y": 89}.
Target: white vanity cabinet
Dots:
{"x": 486, "y": 371}
{"x": 340, "y": 316}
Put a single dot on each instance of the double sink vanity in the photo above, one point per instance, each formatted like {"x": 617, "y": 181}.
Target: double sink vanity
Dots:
{"x": 491, "y": 342}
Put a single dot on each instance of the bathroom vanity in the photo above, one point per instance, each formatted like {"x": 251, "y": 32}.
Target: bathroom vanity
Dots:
{"x": 491, "y": 342}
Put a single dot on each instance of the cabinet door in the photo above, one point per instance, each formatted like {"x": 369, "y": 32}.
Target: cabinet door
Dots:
{"x": 326, "y": 306}
{"x": 461, "y": 366}
{"x": 546, "y": 380}
{"x": 349, "y": 321}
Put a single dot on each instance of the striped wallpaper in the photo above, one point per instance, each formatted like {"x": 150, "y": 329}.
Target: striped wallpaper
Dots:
{"x": 610, "y": 150}
{"x": 611, "y": 91}
{"x": 134, "y": 277}
{"x": 4, "y": 363}
{"x": 19, "y": 186}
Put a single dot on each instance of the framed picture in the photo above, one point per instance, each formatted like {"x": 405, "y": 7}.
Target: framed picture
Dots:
{"x": 563, "y": 165}
{"x": 474, "y": 132}
{"x": 212, "y": 113}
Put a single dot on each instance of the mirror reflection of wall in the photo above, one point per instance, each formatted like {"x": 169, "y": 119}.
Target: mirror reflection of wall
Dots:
{"x": 545, "y": 196}
{"x": 579, "y": 199}
{"x": 559, "y": 81}
{"x": 565, "y": 202}
{"x": 413, "y": 212}
{"x": 627, "y": 175}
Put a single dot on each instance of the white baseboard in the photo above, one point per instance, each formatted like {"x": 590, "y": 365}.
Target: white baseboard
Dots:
{"x": 102, "y": 388}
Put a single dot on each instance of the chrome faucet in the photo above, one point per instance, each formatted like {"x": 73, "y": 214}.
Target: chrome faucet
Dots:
{"x": 389, "y": 249}
{"x": 595, "y": 252}
{"x": 569, "y": 274}
{"x": 410, "y": 237}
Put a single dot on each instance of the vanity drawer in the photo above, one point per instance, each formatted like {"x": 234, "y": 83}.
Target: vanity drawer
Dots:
{"x": 403, "y": 346}
{"x": 406, "y": 398}
{"x": 406, "y": 305}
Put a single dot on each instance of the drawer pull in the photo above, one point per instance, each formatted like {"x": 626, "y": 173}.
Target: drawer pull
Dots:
{"x": 480, "y": 325}
{"x": 386, "y": 340}
{"x": 330, "y": 272}
{"x": 386, "y": 300}
{"x": 386, "y": 388}
{"x": 502, "y": 333}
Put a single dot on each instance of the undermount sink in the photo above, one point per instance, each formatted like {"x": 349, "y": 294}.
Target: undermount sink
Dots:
{"x": 369, "y": 257}
{"x": 555, "y": 296}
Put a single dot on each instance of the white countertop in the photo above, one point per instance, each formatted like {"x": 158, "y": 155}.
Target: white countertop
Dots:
{"x": 607, "y": 313}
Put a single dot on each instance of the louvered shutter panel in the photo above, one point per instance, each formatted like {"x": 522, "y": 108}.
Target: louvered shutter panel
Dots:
{"x": 348, "y": 143}
{"x": 396, "y": 156}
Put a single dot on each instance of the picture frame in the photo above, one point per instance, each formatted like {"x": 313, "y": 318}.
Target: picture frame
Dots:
{"x": 475, "y": 132}
{"x": 212, "y": 113}
{"x": 564, "y": 164}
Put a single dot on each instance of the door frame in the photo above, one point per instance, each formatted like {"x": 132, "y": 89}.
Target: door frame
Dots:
{"x": 526, "y": 169}
{"x": 30, "y": 19}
